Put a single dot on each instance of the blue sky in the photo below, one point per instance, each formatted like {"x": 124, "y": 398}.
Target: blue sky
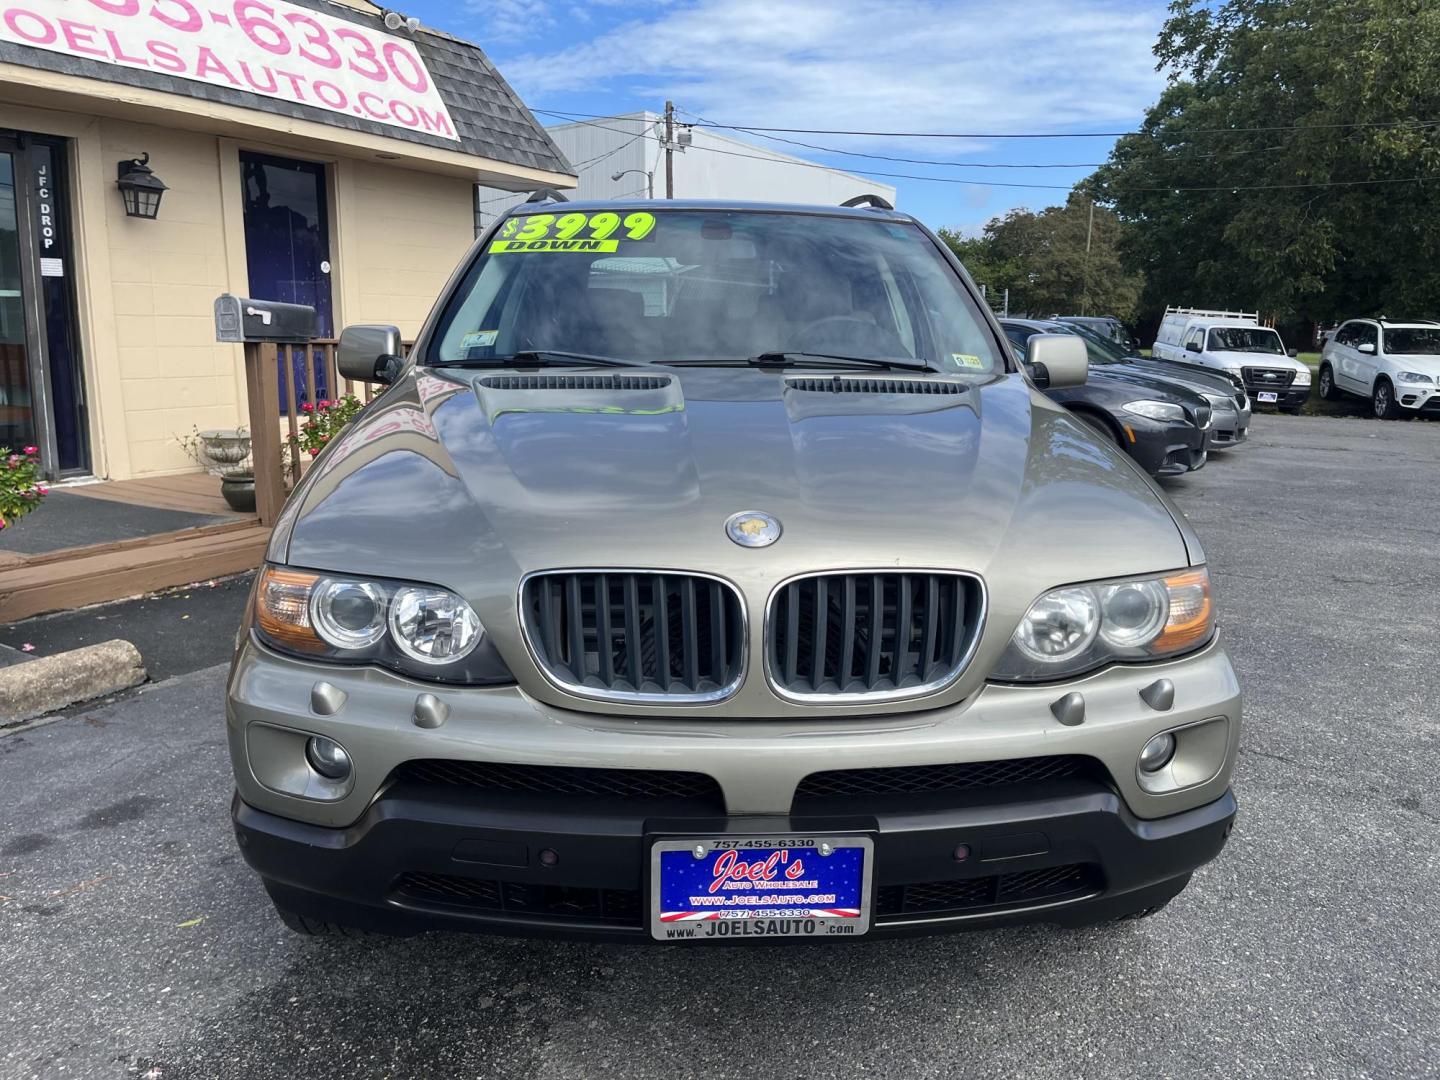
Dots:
{"x": 984, "y": 66}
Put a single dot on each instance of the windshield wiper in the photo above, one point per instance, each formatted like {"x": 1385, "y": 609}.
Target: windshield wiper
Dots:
{"x": 810, "y": 359}
{"x": 539, "y": 358}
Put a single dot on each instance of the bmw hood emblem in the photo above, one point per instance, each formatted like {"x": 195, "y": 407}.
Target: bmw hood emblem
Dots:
{"x": 752, "y": 528}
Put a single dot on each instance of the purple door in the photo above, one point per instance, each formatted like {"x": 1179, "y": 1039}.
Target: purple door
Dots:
{"x": 287, "y": 249}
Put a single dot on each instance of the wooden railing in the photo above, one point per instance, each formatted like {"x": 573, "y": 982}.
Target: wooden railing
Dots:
{"x": 276, "y": 391}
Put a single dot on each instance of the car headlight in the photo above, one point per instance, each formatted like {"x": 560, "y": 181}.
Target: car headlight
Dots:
{"x": 1220, "y": 403}
{"x": 420, "y": 630}
{"x": 1302, "y": 378}
{"x": 1414, "y": 377}
{"x": 1081, "y": 627}
{"x": 1156, "y": 410}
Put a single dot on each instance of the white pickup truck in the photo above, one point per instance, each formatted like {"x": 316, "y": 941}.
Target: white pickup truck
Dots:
{"x": 1234, "y": 341}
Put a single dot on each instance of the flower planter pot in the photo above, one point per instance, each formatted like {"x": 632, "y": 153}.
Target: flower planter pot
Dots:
{"x": 239, "y": 493}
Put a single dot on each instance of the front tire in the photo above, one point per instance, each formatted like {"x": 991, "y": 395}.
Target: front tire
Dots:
{"x": 1327, "y": 388}
{"x": 1100, "y": 428}
{"x": 1383, "y": 401}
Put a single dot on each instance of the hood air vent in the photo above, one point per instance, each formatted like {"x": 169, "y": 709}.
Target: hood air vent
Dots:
{"x": 842, "y": 385}
{"x": 575, "y": 382}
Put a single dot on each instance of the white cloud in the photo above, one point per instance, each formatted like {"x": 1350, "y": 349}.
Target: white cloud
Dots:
{"x": 884, "y": 65}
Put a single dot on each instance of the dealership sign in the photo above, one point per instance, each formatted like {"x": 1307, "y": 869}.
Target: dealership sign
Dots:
{"x": 265, "y": 47}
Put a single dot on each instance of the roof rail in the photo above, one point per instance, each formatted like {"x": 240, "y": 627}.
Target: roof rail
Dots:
{"x": 1213, "y": 313}
{"x": 546, "y": 194}
{"x": 870, "y": 199}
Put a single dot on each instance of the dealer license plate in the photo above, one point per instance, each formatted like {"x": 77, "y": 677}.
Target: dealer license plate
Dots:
{"x": 758, "y": 888}
{"x": 1266, "y": 395}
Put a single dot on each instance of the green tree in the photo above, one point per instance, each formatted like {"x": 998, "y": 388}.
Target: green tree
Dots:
{"x": 1275, "y": 110}
{"x": 1042, "y": 258}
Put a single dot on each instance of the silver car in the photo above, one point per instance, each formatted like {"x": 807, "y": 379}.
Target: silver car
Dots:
{"x": 712, "y": 571}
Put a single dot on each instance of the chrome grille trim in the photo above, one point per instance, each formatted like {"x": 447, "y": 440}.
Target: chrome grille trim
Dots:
{"x": 974, "y": 598}
{"x": 561, "y": 672}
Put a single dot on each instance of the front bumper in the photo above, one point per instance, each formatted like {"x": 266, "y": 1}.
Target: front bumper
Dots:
{"x": 381, "y": 851}
{"x": 1165, "y": 449}
{"x": 1285, "y": 397}
{"x": 442, "y": 859}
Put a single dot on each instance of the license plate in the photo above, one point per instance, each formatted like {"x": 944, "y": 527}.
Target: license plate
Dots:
{"x": 758, "y": 888}
{"x": 1266, "y": 395}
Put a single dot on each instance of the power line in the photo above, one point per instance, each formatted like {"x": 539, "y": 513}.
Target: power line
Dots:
{"x": 757, "y": 128}
{"x": 961, "y": 164}
{"x": 1007, "y": 184}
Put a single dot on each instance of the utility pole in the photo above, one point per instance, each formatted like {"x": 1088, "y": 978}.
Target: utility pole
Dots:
{"x": 669, "y": 149}
{"x": 1090, "y": 228}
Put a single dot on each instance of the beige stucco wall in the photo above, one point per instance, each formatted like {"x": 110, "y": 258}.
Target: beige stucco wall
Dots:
{"x": 145, "y": 289}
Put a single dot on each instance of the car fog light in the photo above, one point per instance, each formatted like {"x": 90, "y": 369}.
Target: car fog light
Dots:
{"x": 328, "y": 758}
{"x": 1157, "y": 752}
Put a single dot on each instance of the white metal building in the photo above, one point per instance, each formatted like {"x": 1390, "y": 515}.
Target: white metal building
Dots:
{"x": 714, "y": 166}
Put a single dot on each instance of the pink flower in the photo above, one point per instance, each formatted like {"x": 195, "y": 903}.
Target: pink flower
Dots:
{"x": 305, "y": 406}
{"x": 314, "y": 450}
{"x": 324, "y": 438}
{"x": 27, "y": 647}
{"x": 32, "y": 450}
{"x": 14, "y": 461}
{"x": 41, "y": 490}
{"x": 324, "y": 403}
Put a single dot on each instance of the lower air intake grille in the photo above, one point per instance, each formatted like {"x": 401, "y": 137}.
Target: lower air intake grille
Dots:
{"x": 941, "y": 779}
{"x": 630, "y": 636}
{"x": 937, "y": 899}
{"x": 872, "y": 636}
{"x": 619, "y": 906}
{"x": 629, "y": 784}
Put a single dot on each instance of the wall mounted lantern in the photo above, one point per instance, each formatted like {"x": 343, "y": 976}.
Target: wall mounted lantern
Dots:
{"x": 140, "y": 187}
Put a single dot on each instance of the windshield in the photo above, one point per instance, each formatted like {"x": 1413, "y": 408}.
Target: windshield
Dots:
{"x": 674, "y": 285}
{"x": 1251, "y": 339}
{"x": 1413, "y": 341}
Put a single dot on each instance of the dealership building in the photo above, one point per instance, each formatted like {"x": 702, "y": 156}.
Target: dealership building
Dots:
{"x": 157, "y": 153}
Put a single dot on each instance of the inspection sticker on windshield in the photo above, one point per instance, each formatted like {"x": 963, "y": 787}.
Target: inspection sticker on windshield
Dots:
{"x": 965, "y": 360}
{"x": 594, "y": 232}
{"x": 760, "y": 887}
{"x": 479, "y": 339}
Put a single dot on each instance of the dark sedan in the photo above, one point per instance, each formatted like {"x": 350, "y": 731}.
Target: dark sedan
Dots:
{"x": 1229, "y": 403}
{"x": 1163, "y": 427}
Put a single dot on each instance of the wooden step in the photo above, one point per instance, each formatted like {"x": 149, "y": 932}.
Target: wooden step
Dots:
{"x": 59, "y": 580}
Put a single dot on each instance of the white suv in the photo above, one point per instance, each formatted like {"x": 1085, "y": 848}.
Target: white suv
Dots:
{"x": 1395, "y": 364}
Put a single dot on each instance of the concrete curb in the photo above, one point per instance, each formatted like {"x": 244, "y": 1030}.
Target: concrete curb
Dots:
{"x": 52, "y": 682}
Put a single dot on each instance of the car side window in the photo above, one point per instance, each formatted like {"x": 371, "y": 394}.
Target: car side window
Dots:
{"x": 1017, "y": 336}
{"x": 1365, "y": 334}
{"x": 1196, "y": 335}
{"x": 1345, "y": 335}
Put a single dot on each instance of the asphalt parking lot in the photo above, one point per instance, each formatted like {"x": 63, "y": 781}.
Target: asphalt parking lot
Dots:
{"x": 134, "y": 942}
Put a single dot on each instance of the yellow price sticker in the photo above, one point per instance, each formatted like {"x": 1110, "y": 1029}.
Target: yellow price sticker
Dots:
{"x": 967, "y": 360}
{"x": 576, "y": 231}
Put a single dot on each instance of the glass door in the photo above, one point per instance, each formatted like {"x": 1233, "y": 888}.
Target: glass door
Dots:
{"x": 42, "y": 386}
{"x": 17, "y": 404}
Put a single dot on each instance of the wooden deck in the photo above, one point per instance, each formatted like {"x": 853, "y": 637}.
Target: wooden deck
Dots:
{"x": 194, "y": 493}
{"x": 74, "y": 577}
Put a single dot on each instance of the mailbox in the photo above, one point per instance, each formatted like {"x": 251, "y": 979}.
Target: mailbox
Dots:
{"x": 240, "y": 319}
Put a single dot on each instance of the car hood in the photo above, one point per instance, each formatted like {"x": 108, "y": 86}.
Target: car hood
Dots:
{"x": 1424, "y": 363}
{"x": 1187, "y": 375}
{"x": 472, "y": 481}
{"x": 1161, "y": 386}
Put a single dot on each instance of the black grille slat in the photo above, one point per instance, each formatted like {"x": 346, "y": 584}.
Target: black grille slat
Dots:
{"x": 912, "y": 780}
{"x": 562, "y": 780}
{"x": 621, "y": 634}
{"x": 872, "y": 633}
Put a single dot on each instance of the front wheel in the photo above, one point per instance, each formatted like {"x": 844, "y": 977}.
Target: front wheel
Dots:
{"x": 1383, "y": 400}
{"x": 1327, "y": 389}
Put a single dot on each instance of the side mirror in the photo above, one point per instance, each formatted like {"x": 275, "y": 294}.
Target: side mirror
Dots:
{"x": 1056, "y": 361}
{"x": 369, "y": 354}
{"x": 1367, "y": 348}
{"x": 1292, "y": 353}
{"x": 1192, "y": 346}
